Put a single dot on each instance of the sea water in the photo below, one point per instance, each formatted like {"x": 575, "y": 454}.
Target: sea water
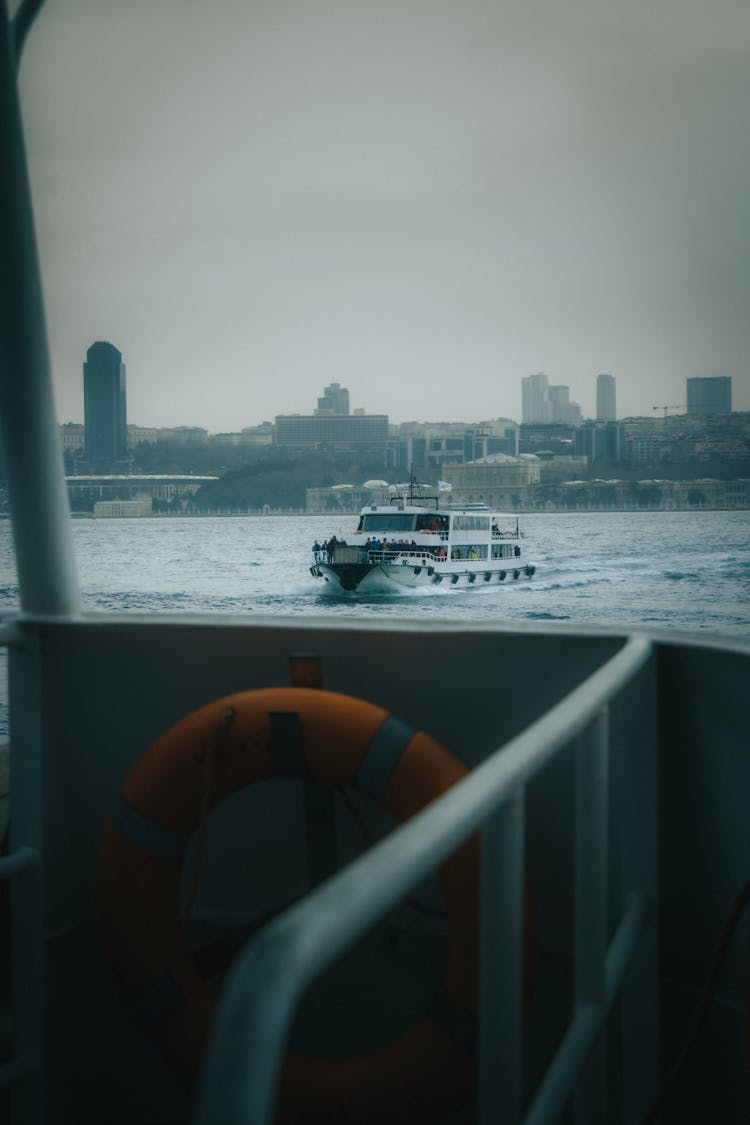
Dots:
{"x": 661, "y": 570}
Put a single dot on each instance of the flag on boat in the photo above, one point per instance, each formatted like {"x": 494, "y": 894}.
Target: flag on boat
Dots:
{"x": 443, "y": 486}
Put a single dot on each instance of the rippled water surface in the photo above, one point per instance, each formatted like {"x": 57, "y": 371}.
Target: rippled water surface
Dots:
{"x": 666, "y": 570}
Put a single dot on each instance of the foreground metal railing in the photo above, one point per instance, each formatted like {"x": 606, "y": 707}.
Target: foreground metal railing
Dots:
{"x": 264, "y": 987}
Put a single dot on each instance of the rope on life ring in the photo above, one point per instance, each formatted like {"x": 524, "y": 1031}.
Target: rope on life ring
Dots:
{"x": 214, "y": 752}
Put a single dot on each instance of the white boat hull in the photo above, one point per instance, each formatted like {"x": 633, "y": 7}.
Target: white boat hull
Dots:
{"x": 400, "y": 576}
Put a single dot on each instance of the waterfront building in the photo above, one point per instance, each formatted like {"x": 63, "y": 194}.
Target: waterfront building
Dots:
{"x": 709, "y": 395}
{"x": 496, "y": 481}
{"x": 84, "y": 490}
{"x": 105, "y": 414}
{"x": 250, "y": 437}
{"x": 606, "y": 406}
{"x": 338, "y": 431}
{"x": 560, "y": 467}
{"x": 142, "y": 435}
{"x": 183, "y": 434}
{"x": 122, "y": 509}
{"x": 72, "y": 437}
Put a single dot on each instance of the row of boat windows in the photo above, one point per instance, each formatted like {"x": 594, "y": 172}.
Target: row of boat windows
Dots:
{"x": 479, "y": 551}
{"x": 400, "y": 522}
{"x": 376, "y": 550}
{"x": 471, "y": 523}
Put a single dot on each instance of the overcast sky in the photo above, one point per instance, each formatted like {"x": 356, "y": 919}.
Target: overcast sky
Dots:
{"x": 422, "y": 200}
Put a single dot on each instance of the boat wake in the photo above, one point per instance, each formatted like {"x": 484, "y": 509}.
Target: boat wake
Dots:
{"x": 562, "y": 583}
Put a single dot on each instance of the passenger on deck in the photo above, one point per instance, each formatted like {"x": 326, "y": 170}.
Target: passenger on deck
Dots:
{"x": 317, "y": 550}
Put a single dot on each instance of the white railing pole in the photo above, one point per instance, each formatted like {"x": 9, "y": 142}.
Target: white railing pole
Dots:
{"x": 636, "y": 806}
{"x": 500, "y": 1059}
{"x": 28, "y": 427}
{"x": 592, "y": 785}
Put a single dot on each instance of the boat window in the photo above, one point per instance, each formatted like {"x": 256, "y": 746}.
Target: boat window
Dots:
{"x": 388, "y": 521}
{"x": 471, "y": 523}
{"x": 431, "y": 521}
{"x": 469, "y": 551}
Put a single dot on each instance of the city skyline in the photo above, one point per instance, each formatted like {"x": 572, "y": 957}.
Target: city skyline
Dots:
{"x": 422, "y": 202}
{"x": 539, "y": 403}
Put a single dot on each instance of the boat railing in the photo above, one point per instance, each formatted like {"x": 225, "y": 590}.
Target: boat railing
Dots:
{"x": 417, "y": 557}
{"x": 362, "y": 555}
{"x": 274, "y": 969}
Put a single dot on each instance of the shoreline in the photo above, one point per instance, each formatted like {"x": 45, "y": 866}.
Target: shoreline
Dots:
{"x": 547, "y": 511}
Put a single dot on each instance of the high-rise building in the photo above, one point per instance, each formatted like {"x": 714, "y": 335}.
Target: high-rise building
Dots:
{"x": 335, "y": 400}
{"x": 560, "y": 408}
{"x": 104, "y": 407}
{"x": 535, "y": 405}
{"x": 709, "y": 395}
{"x": 606, "y": 405}
{"x": 599, "y": 441}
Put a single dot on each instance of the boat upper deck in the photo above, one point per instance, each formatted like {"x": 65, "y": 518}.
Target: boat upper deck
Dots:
{"x": 414, "y": 519}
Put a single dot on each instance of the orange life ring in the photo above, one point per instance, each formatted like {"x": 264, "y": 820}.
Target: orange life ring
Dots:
{"x": 421, "y": 1077}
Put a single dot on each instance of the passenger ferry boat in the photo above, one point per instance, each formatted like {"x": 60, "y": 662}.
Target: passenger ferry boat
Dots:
{"x": 413, "y": 542}
{"x": 172, "y": 956}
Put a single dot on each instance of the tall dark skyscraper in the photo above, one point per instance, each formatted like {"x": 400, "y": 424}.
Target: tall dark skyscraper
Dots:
{"x": 104, "y": 408}
{"x": 709, "y": 395}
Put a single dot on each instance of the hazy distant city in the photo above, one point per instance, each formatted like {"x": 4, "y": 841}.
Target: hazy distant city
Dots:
{"x": 687, "y": 455}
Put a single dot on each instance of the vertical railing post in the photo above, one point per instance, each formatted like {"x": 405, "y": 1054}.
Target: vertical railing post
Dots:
{"x": 29, "y": 436}
{"x": 637, "y": 809}
{"x": 500, "y": 1057}
{"x": 592, "y": 785}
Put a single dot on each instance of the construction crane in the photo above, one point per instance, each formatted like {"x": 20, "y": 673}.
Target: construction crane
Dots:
{"x": 671, "y": 406}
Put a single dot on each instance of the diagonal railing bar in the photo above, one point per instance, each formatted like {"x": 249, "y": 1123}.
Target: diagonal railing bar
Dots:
{"x": 262, "y": 990}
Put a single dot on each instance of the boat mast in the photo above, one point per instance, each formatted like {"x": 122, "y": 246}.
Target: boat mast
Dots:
{"x": 29, "y": 435}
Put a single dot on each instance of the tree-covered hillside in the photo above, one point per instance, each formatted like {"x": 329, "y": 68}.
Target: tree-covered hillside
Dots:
{"x": 280, "y": 482}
